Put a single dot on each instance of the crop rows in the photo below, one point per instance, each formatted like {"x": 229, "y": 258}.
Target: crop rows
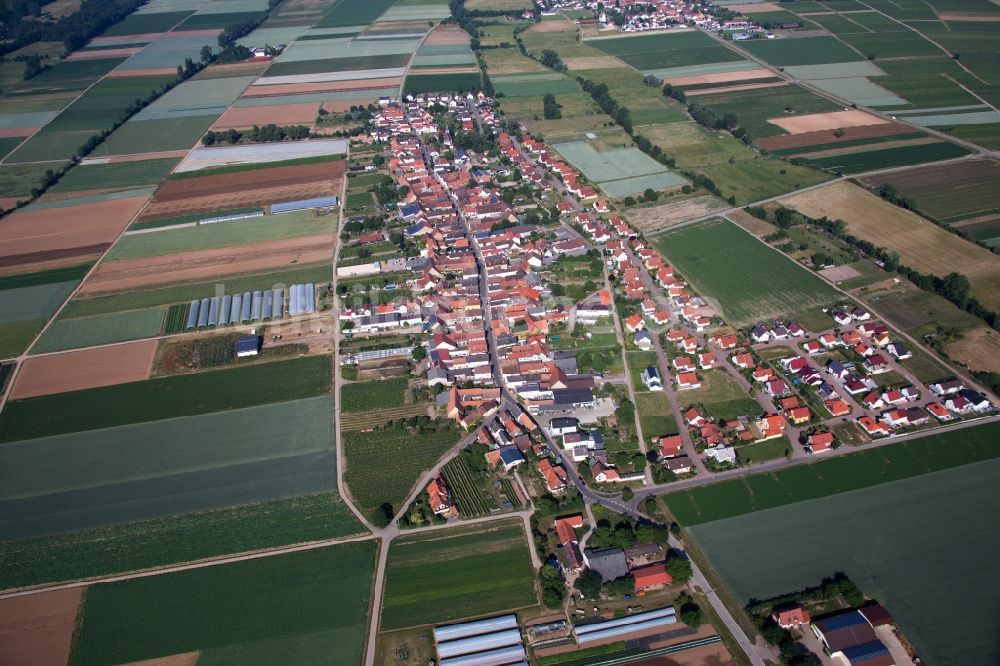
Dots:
{"x": 376, "y": 417}
{"x": 469, "y": 498}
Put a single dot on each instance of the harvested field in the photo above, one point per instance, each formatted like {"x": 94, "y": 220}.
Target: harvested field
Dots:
{"x": 89, "y": 368}
{"x": 979, "y": 349}
{"x": 651, "y": 220}
{"x": 823, "y": 137}
{"x": 208, "y": 264}
{"x": 39, "y": 236}
{"x": 554, "y": 25}
{"x": 759, "y": 7}
{"x": 745, "y": 86}
{"x": 447, "y": 34}
{"x": 721, "y": 77}
{"x": 284, "y": 89}
{"x": 245, "y": 189}
{"x": 921, "y": 244}
{"x": 38, "y": 628}
{"x": 282, "y": 114}
{"x": 815, "y": 122}
{"x": 592, "y": 62}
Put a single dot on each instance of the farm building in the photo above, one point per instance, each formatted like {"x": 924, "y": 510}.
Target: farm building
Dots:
{"x": 615, "y": 629}
{"x": 491, "y": 642}
{"x": 609, "y": 562}
{"x": 651, "y": 577}
{"x": 851, "y": 635}
{"x": 247, "y": 346}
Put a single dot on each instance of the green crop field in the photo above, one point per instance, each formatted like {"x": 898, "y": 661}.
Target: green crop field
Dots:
{"x": 221, "y": 234}
{"x": 25, "y": 309}
{"x": 353, "y": 12}
{"x": 801, "y": 51}
{"x": 425, "y": 83}
{"x": 891, "y": 44}
{"x": 71, "y": 75}
{"x": 457, "y": 573}
{"x": 743, "y": 278}
{"x": 761, "y": 178}
{"x": 16, "y": 336}
{"x": 156, "y": 135}
{"x": 166, "y": 397}
{"x": 100, "y": 330}
{"x": 382, "y": 465}
{"x": 784, "y": 549}
{"x": 122, "y": 175}
{"x": 753, "y": 108}
{"x": 871, "y": 160}
{"x": 143, "y": 298}
{"x": 659, "y": 51}
{"x": 174, "y": 466}
{"x": 17, "y": 180}
{"x": 834, "y": 475}
{"x": 345, "y": 64}
{"x": 303, "y": 606}
{"x": 219, "y": 20}
{"x": 953, "y": 192}
{"x": 382, "y": 394}
{"x": 137, "y": 24}
{"x": 163, "y": 541}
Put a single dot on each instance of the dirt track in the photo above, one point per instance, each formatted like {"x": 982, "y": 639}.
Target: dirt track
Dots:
{"x": 38, "y": 629}
{"x": 202, "y": 265}
{"x": 84, "y": 369}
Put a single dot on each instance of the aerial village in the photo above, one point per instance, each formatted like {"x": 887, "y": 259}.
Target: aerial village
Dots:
{"x": 575, "y": 357}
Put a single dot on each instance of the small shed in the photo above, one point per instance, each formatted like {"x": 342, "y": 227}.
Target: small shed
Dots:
{"x": 247, "y": 346}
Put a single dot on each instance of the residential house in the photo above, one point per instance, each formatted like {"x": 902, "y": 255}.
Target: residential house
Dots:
{"x": 789, "y": 618}
{"x": 651, "y": 378}
{"x": 819, "y": 442}
{"x": 438, "y": 498}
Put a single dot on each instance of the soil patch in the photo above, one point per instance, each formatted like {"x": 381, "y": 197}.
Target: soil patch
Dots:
{"x": 656, "y": 218}
{"x": 824, "y": 137}
{"x": 204, "y": 265}
{"x": 13, "y": 132}
{"x": 831, "y": 152}
{"x": 104, "y": 53}
{"x": 814, "y": 122}
{"x": 975, "y": 220}
{"x": 280, "y": 114}
{"x": 84, "y": 369}
{"x": 447, "y": 34}
{"x": 979, "y": 349}
{"x": 57, "y": 230}
{"x": 745, "y": 86}
{"x": 38, "y": 628}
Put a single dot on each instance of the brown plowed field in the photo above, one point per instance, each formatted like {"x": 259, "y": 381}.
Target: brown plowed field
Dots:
{"x": 84, "y": 369}
{"x": 447, "y": 34}
{"x": 282, "y": 89}
{"x": 203, "y": 265}
{"x": 721, "y": 77}
{"x": 744, "y": 86}
{"x": 814, "y": 122}
{"x": 279, "y": 114}
{"x": 38, "y": 628}
{"x": 105, "y": 53}
{"x": 78, "y": 258}
{"x": 57, "y": 230}
{"x": 823, "y": 137}
{"x": 254, "y": 187}
{"x": 149, "y": 71}
{"x": 12, "y": 132}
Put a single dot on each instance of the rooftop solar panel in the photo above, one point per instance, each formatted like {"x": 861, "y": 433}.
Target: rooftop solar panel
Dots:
{"x": 840, "y": 621}
{"x": 866, "y": 651}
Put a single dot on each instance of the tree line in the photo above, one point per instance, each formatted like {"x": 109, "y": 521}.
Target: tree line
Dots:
{"x": 258, "y": 134}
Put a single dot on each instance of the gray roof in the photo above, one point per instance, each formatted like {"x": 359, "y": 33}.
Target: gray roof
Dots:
{"x": 609, "y": 562}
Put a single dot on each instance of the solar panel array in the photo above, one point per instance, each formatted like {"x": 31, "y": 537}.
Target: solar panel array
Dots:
{"x": 238, "y": 308}
{"x": 865, "y": 651}
{"x": 848, "y": 619}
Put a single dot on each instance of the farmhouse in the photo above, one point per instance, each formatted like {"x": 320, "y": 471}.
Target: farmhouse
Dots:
{"x": 651, "y": 577}
{"x": 796, "y": 616}
{"x": 438, "y": 498}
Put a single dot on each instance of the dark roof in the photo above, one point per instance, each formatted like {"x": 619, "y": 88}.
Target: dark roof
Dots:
{"x": 877, "y": 615}
{"x": 569, "y": 397}
{"x": 564, "y": 422}
{"x": 873, "y": 653}
{"x": 845, "y": 630}
{"x": 246, "y": 344}
{"x": 609, "y": 562}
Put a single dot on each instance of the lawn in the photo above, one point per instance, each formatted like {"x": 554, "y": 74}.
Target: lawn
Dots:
{"x": 801, "y": 51}
{"x": 743, "y": 278}
{"x": 827, "y": 477}
{"x": 362, "y": 396}
{"x": 309, "y": 605}
{"x": 121, "y": 175}
{"x": 457, "y": 573}
{"x": 164, "y": 398}
{"x": 383, "y": 465}
{"x": 143, "y": 471}
{"x": 784, "y": 549}
{"x": 722, "y": 396}
{"x": 100, "y": 330}
{"x": 185, "y": 293}
{"x": 174, "y": 539}
{"x": 655, "y": 415}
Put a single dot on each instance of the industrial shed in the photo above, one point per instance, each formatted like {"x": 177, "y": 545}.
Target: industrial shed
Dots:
{"x": 494, "y": 641}
{"x": 614, "y": 629}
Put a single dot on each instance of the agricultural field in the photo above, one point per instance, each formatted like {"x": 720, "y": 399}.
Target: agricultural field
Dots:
{"x": 311, "y": 604}
{"x": 28, "y": 300}
{"x": 874, "y": 158}
{"x": 149, "y": 470}
{"x": 760, "y": 178}
{"x": 648, "y": 53}
{"x": 188, "y": 537}
{"x": 363, "y": 396}
{"x": 114, "y": 176}
{"x": 801, "y": 51}
{"x": 755, "y": 108}
{"x": 743, "y": 279}
{"x": 165, "y": 398}
{"x": 383, "y": 465}
{"x": 100, "y": 330}
{"x": 921, "y": 244}
{"x": 620, "y": 172}
{"x": 779, "y": 550}
{"x": 439, "y": 577}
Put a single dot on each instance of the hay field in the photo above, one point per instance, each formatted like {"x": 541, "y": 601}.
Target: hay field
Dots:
{"x": 921, "y": 244}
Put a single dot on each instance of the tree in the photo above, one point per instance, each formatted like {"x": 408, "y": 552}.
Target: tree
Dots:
{"x": 691, "y": 615}
{"x": 419, "y": 353}
{"x": 679, "y": 568}
{"x": 206, "y": 54}
{"x": 619, "y": 587}
{"x": 627, "y": 494}
{"x": 553, "y": 590}
{"x": 839, "y": 132}
{"x": 589, "y": 584}
{"x": 383, "y": 516}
